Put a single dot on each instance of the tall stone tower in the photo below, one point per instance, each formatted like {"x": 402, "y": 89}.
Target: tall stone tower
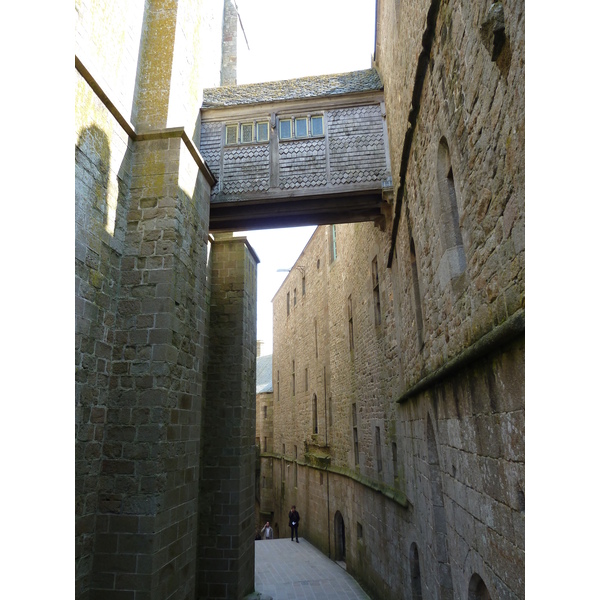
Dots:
{"x": 229, "y": 47}
{"x": 143, "y": 288}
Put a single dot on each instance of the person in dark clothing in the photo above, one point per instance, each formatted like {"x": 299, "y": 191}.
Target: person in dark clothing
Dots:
{"x": 294, "y": 520}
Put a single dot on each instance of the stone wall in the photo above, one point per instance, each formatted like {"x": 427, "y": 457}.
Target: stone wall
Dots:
{"x": 225, "y": 559}
{"x": 429, "y": 371}
{"x": 102, "y": 178}
{"x": 265, "y": 448}
{"x": 471, "y": 124}
{"x": 141, "y": 301}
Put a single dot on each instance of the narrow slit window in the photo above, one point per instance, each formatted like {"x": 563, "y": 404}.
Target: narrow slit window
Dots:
{"x": 296, "y": 466}
{"x": 332, "y": 244}
{"x": 376, "y": 297}
{"x": 416, "y": 292}
{"x": 378, "y": 449}
{"x": 355, "y": 433}
{"x": 350, "y": 324}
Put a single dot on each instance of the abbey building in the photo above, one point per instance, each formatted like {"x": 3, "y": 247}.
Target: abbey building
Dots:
{"x": 398, "y": 366}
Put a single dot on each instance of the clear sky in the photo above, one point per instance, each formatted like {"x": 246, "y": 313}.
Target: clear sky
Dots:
{"x": 288, "y": 40}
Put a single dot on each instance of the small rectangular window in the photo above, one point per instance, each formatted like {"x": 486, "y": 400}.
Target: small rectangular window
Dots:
{"x": 376, "y": 298}
{"x": 359, "y": 531}
{"x": 378, "y": 449}
{"x": 262, "y": 132}
{"x": 231, "y": 132}
{"x": 247, "y": 130}
{"x": 285, "y": 129}
{"x": 350, "y": 324}
{"x": 332, "y": 243}
{"x": 301, "y": 127}
{"x": 316, "y": 125}
{"x": 296, "y": 466}
{"x": 355, "y": 433}
{"x": 306, "y": 379}
{"x": 293, "y": 378}
{"x": 264, "y": 412}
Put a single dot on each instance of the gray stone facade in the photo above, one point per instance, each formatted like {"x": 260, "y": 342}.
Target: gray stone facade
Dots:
{"x": 404, "y": 450}
{"x": 397, "y": 404}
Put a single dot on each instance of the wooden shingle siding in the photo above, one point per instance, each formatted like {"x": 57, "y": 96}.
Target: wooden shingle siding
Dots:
{"x": 302, "y": 163}
{"x": 356, "y": 145}
{"x": 245, "y": 169}
{"x": 352, "y": 151}
{"x": 340, "y": 170}
{"x": 211, "y": 146}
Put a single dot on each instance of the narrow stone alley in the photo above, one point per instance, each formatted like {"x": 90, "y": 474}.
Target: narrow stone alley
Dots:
{"x": 285, "y": 570}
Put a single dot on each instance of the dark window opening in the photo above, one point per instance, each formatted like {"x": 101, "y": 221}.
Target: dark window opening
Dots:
{"x": 350, "y": 324}
{"x": 376, "y": 298}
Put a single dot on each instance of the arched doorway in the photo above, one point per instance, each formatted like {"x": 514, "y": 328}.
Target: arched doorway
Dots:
{"x": 339, "y": 537}
{"x": 415, "y": 573}
{"x": 477, "y": 589}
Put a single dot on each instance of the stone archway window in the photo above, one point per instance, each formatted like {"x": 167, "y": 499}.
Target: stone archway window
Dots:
{"x": 453, "y": 261}
{"x": 477, "y": 589}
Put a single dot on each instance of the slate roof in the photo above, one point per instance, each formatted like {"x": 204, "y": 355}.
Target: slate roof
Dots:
{"x": 264, "y": 374}
{"x": 316, "y": 86}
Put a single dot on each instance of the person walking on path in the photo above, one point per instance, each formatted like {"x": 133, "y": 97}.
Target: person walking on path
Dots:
{"x": 267, "y": 531}
{"x": 294, "y": 520}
